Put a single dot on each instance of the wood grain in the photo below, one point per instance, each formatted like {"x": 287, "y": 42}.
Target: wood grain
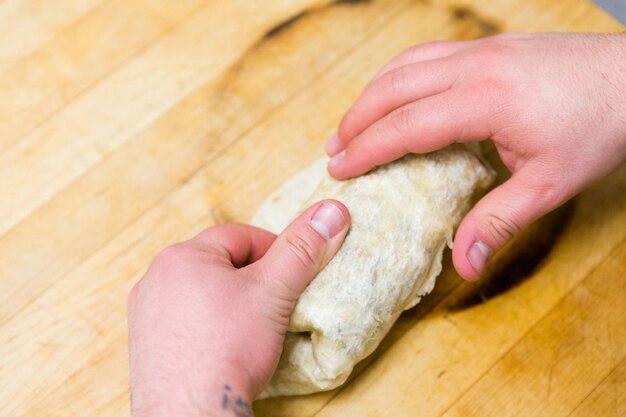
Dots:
{"x": 42, "y": 83}
{"x": 126, "y": 126}
{"x": 602, "y": 401}
{"x": 27, "y": 25}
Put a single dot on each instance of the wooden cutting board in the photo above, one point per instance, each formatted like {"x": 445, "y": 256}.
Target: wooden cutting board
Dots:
{"x": 128, "y": 125}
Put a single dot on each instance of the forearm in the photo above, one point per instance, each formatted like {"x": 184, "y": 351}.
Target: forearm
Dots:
{"x": 184, "y": 371}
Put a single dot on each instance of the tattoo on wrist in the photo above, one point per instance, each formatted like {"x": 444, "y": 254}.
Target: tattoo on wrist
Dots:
{"x": 234, "y": 403}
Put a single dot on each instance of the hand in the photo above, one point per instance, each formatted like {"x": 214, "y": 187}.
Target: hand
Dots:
{"x": 553, "y": 103}
{"x": 208, "y": 319}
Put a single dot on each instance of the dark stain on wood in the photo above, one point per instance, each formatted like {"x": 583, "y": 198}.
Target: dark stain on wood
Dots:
{"x": 486, "y": 26}
{"x": 282, "y": 26}
{"x": 351, "y": 1}
{"x": 518, "y": 260}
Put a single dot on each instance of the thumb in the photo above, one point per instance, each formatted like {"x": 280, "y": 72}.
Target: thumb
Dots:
{"x": 498, "y": 216}
{"x": 304, "y": 248}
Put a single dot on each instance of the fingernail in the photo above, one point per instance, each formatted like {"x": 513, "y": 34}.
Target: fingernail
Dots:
{"x": 334, "y": 145}
{"x": 328, "y": 220}
{"x": 336, "y": 160}
{"x": 478, "y": 255}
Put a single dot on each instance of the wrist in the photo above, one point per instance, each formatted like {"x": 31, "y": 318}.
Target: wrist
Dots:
{"x": 234, "y": 402}
{"x": 198, "y": 392}
{"x": 227, "y": 401}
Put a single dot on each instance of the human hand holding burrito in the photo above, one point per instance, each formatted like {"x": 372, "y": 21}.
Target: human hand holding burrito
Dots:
{"x": 553, "y": 103}
{"x": 208, "y": 319}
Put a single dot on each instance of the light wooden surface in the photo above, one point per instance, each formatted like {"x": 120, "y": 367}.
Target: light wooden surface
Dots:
{"x": 128, "y": 125}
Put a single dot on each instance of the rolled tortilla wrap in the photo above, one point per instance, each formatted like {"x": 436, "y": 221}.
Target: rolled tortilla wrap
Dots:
{"x": 403, "y": 216}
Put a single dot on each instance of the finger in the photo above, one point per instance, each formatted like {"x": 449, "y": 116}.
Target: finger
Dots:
{"x": 437, "y": 50}
{"x": 441, "y": 49}
{"x": 500, "y": 214}
{"x": 238, "y": 244}
{"x": 423, "y": 126}
{"x": 424, "y": 52}
{"x": 392, "y": 90}
{"x": 303, "y": 249}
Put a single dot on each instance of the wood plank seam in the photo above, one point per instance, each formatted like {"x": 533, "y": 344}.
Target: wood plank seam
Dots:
{"x": 42, "y": 202}
{"x": 94, "y": 354}
{"x": 606, "y": 377}
{"x": 48, "y": 198}
{"x": 612, "y": 253}
{"x": 355, "y": 375}
{"x": 443, "y": 300}
{"x": 198, "y": 171}
{"x": 15, "y": 315}
{"x": 14, "y": 60}
{"x": 99, "y": 79}
{"x": 39, "y": 203}
{"x": 73, "y": 374}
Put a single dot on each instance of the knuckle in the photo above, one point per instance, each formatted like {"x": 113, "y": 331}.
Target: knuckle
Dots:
{"x": 172, "y": 254}
{"x": 208, "y": 235}
{"x": 394, "y": 82}
{"x": 410, "y": 52}
{"x": 173, "y": 251}
{"x": 169, "y": 261}
{"x": 415, "y": 51}
{"x": 495, "y": 50}
{"x": 504, "y": 36}
{"x": 549, "y": 192}
{"x": 281, "y": 290}
{"x": 496, "y": 91}
{"x": 492, "y": 57}
{"x": 495, "y": 86}
{"x": 403, "y": 121}
{"x": 303, "y": 250}
{"x": 500, "y": 228}
{"x": 438, "y": 47}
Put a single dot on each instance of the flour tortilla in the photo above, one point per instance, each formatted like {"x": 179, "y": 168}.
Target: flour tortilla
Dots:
{"x": 403, "y": 216}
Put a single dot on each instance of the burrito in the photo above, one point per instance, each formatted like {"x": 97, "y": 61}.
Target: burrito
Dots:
{"x": 403, "y": 216}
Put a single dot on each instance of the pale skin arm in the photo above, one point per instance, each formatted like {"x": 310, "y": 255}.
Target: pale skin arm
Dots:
{"x": 208, "y": 320}
{"x": 553, "y": 103}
